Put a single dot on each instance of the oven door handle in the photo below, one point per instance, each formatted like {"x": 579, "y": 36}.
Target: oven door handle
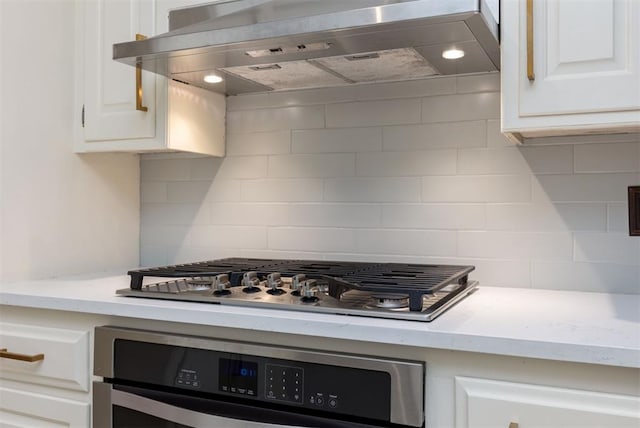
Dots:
{"x": 180, "y": 415}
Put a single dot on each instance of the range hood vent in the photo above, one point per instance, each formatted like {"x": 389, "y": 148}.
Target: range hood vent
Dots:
{"x": 277, "y": 45}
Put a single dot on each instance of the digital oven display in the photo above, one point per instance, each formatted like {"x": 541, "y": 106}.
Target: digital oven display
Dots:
{"x": 238, "y": 377}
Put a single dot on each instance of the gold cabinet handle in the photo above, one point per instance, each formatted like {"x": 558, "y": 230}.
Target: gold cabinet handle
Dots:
{"x": 530, "y": 74}
{"x": 139, "y": 105}
{"x": 21, "y": 357}
{"x": 513, "y": 425}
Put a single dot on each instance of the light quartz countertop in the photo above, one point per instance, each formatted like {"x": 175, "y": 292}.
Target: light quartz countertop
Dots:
{"x": 596, "y": 328}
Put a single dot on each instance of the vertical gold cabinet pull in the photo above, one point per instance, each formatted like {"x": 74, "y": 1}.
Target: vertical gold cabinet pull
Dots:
{"x": 139, "y": 105}
{"x": 21, "y": 357}
{"x": 513, "y": 425}
{"x": 530, "y": 74}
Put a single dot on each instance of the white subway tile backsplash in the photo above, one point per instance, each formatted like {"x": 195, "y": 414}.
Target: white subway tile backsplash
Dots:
{"x": 434, "y": 136}
{"x": 188, "y": 191}
{"x": 398, "y": 164}
{"x": 456, "y": 108}
{"x": 409, "y": 89}
{"x": 228, "y": 236}
{"x": 478, "y": 83}
{"x": 175, "y": 214}
{"x": 392, "y": 189}
{"x": 583, "y": 187}
{"x": 153, "y": 191}
{"x": 617, "y": 217}
{"x": 495, "y": 138}
{"x": 406, "y": 242}
{"x": 334, "y": 215}
{"x": 373, "y": 113}
{"x": 249, "y": 214}
{"x": 516, "y": 245}
{"x": 607, "y": 157}
{"x": 204, "y": 168}
{"x": 281, "y": 190}
{"x": 607, "y": 247}
{"x": 580, "y": 276}
{"x": 311, "y": 239}
{"x": 222, "y": 190}
{"x": 165, "y": 169}
{"x": 296, "y": 98}
{"x": 191, "y": 253}
{"x": 414, "y": 172}
{"x": 275, "y": 119}
{"x": 516, "y": 160}
{"x": 547, "y": 217}
{"x": 483, "y": 188}
{"x": 346, "y": 140}
{"x": 259, "y": 143}
{"x": 434, "y": 216}
{"x": 163, "y": 235}
{"x": 243, "y": 167}
{"x": 312, "y": 165}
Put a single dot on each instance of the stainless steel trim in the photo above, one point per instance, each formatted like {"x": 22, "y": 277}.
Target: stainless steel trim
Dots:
{"x": 407, "y": 377}
{"x": 327, "y": 305}
{"x": 105, "y": 397}
{"x": 102, "y": 413}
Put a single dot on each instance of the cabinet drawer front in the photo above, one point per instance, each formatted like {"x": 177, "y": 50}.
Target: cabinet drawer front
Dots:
{"x": 489, "y": 403}
{"x": 66, "y": 355}
{"x": 28, "y": 409}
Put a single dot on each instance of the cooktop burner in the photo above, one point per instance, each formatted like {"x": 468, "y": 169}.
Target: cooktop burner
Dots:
{"x": 385, "y": 290}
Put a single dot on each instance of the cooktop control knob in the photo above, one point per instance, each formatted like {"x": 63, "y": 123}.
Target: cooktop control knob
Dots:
{"x": 250, "y": 282}
{"x": 274, "y": 281}
{"x": 296, "y": 283}
{"x": 309, "y": 291}
{"x": 220, "y": 285}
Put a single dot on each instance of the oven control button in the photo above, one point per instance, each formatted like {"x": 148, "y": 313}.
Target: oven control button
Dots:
{"x": 333, "y": 402}
{"x": 317, "y": 399}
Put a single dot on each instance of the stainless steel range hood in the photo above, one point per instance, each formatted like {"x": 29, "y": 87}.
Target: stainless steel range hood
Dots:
{"x": 267, "y": 45}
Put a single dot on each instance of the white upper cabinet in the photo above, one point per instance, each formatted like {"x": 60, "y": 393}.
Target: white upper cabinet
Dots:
{"x": 110, "y": 87}
{"x": 576, "y": 71}
{"x": 122, "y": 109}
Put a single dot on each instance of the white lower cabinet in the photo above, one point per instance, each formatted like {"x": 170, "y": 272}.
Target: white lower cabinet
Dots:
{"x": 28, "y": 409}
{"x": 483, "y": 403}
{"x": 44, "y": 376}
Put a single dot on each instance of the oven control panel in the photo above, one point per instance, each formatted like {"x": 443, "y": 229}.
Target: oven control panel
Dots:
{"x": 283, "y": 383}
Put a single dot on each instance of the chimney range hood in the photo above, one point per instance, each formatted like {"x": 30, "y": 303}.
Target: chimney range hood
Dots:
{"x": 275, "y": 45}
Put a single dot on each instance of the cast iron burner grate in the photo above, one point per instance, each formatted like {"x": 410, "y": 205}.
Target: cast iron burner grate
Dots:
{"x": 413, "y": 280}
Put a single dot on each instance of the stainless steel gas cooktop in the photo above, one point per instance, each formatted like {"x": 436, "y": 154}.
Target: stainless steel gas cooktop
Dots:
{"x": 384, "y": 290}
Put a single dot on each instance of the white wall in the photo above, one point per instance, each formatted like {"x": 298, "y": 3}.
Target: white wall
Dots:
{"x": 416, "y": 172}
{"x": 60, "y": 213}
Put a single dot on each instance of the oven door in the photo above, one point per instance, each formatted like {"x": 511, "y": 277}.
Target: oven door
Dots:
{"x": 119, "y": 406}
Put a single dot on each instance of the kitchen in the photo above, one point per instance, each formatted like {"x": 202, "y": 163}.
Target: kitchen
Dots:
{"x": 408, "y": 172}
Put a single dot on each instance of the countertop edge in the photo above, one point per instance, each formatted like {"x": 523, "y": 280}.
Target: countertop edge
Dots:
{"x": 403, "y": 333}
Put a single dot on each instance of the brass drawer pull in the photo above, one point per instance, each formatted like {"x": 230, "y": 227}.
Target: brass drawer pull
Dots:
{"x": 513, "y": 425}
{"x": 21, "y": 357}
{"x": 139, "y": 105}
{"x": 530, "y": 74}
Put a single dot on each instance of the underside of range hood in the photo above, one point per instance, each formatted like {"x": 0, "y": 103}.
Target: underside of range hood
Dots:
{"x": 275, "y": 45}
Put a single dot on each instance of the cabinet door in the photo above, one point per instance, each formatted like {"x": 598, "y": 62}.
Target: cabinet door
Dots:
{"x": 110, "y": 87}
{"x": 482, "y": 403}
{"x": 586, "y": 67}
{"x": 28, "y": 409}
{"x": 586, "y": 57}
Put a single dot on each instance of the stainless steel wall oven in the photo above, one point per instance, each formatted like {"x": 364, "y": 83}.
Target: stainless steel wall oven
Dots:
{"x": 167, "y": 380}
